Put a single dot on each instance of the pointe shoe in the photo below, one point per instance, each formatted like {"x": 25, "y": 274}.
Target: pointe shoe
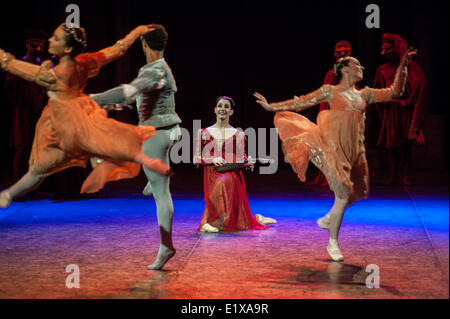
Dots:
{"x": 324, "y": 222}
{"x": 209, "y": 229}
{"x": 5, "y": 199}
{"x": 334, "y": 251}
{"x": 148, "y": 191}
{"x": 161, "y": 260}
{"x": 265, "y": 220}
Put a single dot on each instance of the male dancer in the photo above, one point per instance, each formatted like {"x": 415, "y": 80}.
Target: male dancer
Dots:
{"x": 154, "y": 91}
{"x": 402, "y": 119}
{"x": 341, "y": 49}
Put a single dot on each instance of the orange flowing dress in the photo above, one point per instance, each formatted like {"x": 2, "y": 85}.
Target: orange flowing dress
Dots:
{"x": 335, "y": 144}
{"x": 226, "y": 202}
{"x": 72, "y": 127}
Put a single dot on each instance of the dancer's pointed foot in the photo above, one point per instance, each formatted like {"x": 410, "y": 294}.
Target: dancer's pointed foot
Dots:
{"x": 148, "y": 191}
{"x": 209, "y": 229}
{"x": 324, "y": 222}
{"x": 265, "y": 220}
{"x": 164, "y": 254}
{"x": 334, "y": 251}
{"x": 5, "y": 199}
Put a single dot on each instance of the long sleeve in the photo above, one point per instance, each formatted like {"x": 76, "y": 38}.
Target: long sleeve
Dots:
{"x": 119, "y": 48}
{"x": 330, "y": 78}
{"x": 93, "y": 62}
{"x": 388, "y": 94}
{"x": 42, "y": 74}
{"x": 240, "y": 148}
{"x": 149, "y": 79}
{"x": 323, "y": 94}
{"x": 198, "y": 152}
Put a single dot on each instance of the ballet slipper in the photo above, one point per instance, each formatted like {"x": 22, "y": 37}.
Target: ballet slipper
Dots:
{"x": 334, "y": 251}
{"x": 5, "y": 199}
{"x": 209, "y": 229}
{"x": 164, "y": 254}
{"x": 265, "y": 220}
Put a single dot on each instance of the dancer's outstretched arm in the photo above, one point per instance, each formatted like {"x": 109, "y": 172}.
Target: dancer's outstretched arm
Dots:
{"x": 117, "y": 50}
{"x": 94, "y": 61}
{"x": 150, "y": 79}
{"x": 25, "y": 70}
{"x": 398, "y": 87}
{"x": 323, "y": 94}
{"x": 91, "y": 61}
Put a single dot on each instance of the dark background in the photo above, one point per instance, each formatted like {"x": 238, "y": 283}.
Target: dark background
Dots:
{"x": 278, "y": 48}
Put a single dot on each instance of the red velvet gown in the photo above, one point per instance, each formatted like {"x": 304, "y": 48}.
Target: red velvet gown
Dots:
{"x": 226, "y": 202}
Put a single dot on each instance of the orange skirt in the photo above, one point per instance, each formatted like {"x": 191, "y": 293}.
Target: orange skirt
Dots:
{"x": 335, "y": 146}
{"x": 71, "y": 131}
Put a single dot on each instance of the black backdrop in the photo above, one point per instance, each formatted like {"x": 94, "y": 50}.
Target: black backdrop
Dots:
{"x": 278, "y": 48}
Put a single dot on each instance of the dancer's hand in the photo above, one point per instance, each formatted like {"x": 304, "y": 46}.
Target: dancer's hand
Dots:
{"x": 4, "y": 58}
{"x": 144, "y": 29}
{"x": 261, "y": 100}
{"x": 407, "y": 57}
{"x": 218, "y": 161}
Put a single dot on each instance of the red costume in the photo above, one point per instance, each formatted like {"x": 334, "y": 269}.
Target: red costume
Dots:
{"x": 226, "y": 203}
{"x": 402, "y": 118}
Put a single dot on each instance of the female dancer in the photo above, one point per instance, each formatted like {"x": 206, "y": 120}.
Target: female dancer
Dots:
{"x": 336, "y": 144}
{"x": 225, "y": 194}
{"x": 72, "y": 127}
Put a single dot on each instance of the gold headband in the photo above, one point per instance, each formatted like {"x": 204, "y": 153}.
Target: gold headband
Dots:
{"x": 72, "y": 31}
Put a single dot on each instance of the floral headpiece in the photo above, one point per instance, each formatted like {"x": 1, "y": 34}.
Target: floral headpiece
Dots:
{"x": 71, "y": 28}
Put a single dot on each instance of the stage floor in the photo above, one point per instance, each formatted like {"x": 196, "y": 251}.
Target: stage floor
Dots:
{"x": 404, "y": 231}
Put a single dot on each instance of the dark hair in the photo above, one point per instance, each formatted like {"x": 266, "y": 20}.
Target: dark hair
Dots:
{"x": 226, "y": 98}
{"x": 156, "y": 39}
{"x": 75, "y": 38}
{"x": 340, "y": 63}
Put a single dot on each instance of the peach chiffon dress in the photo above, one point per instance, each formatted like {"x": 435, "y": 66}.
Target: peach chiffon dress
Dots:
{"x": 336, "y": 143}
{"x": 73, "y": 128}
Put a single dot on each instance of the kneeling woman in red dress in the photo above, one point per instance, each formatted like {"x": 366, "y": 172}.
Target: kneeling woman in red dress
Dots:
{"x": 226, "y": 203}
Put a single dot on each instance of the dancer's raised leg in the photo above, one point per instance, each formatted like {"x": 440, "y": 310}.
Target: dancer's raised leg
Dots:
{"x": 26, "y": 184}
